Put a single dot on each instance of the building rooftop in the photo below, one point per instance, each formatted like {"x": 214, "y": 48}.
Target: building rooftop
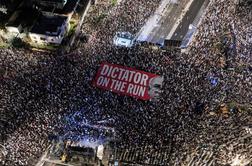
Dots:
{"x": 67, "y": 9}
{"x": 22, "y": 17}
{"x": 15, "y": 20}
{"x": 48, "y": 25}
{"x": 52, "y": 3}
{"x": 9, "y": 5}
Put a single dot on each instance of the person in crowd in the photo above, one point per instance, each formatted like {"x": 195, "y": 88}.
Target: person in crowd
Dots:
{"x": 43, "y": 94}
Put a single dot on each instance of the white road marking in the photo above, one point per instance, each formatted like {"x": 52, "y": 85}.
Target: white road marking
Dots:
{"x": 183, "y": 13}
{"x": 153, "y": 21}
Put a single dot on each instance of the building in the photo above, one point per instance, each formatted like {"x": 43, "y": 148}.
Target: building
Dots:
{"x": 68, "y": 9}
{"x": 45, "y": 21}
{"x": 49, "y": 29}
{"x": 53, "y": 23}
{"x": 21, "y": 20}
{"x": 3, "y": 6}
{"x": 58, "y": 4}
{"x": 14, "y": 24}
{"x": 8, "y": 5}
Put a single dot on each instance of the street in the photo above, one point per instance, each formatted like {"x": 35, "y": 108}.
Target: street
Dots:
{"x": 171, "y": 20}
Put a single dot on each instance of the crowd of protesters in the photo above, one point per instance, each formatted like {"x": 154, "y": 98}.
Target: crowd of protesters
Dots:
{"x": 46, "y": 94}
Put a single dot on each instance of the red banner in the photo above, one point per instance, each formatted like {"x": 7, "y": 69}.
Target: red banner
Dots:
{"x": 128, "y": 81}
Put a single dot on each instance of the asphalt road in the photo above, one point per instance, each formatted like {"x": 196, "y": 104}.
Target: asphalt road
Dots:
{"x": 187, "y": 20}
{"x": 167, "y": 21}
{"x": 174, "y": 21}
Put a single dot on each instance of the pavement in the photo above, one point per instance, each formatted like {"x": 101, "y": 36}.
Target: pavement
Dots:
{"x": 171, "y": 20}
{"x": 188, "y": 18}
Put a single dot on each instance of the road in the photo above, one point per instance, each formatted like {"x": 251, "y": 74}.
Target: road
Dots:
{"x": 173, "y": 21}
{"x": 188, "y": 19}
